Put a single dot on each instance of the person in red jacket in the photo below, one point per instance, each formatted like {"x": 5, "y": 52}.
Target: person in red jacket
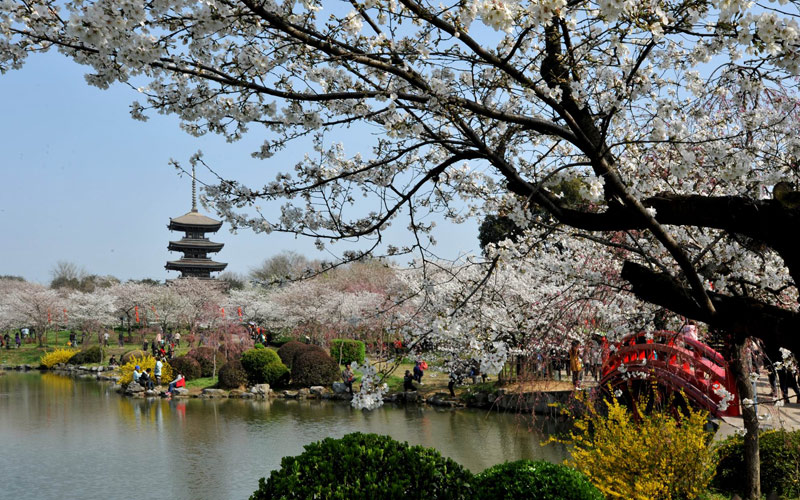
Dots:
{"x": 178, "y": 382}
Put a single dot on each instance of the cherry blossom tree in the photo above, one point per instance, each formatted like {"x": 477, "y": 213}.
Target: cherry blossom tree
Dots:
{"x": 678, "y": 117}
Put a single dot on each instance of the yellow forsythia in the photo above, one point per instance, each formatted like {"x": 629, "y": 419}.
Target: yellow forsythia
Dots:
{"x": 51, "y": 359}
{"x": 657, "y": 458}
{"x": 126, "y": 371}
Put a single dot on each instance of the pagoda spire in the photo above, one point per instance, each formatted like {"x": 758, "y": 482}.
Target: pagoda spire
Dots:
{"x": 194, "y": 191}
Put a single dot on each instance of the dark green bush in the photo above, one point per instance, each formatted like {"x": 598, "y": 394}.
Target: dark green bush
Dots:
{"x": 314, "y": 367}
{"x": 232, "y": 375}
{"x": 780, "y": 464}
{"x": 264, "y": 366}
{"x": 205, "y": 356}
{"x": 92, "y": 354}
{"x": 137, "y": 353}
{"x": 535, "y": 481}
{"x": 345, "y": 351}
{"x": 366, "y": 466}
{"x": 289, "y": 351}
{"x": 258, "y": 345}
{"x": 186, "y": 366}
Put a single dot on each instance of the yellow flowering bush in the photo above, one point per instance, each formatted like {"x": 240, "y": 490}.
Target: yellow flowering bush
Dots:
{"x": 145, "y": 362}
{"x": 659, "y": 456}
{"x": 51, "y": 359}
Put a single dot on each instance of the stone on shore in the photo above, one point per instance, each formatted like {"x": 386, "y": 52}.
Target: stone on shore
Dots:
{"x": 261, "y": 390}
{"x": 134, "y": 388}
{"x": 213, "y": 393}
{"x": 339, "y": 388}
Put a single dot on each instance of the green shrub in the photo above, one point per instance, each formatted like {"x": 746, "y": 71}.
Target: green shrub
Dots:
{"x": 205, "y": 356}
{"x": 264, "y": 366}
{"x": 314, "y": 367}
{"x": 186, "y": 366}
{"x": 258, "y": 345}
{"x": 535, "y": 481}
{"x": 366, "y": 466}
{"x": 345, "y": 351}
{"x": 232, "y": 375}
{"x": 136, "y": 353}
{"x": 93, "y": 354}
{"x": 288, "y": 351}
{"x": 780, "y": 463}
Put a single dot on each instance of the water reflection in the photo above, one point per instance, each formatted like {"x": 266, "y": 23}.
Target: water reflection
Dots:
{"x": 94, "y": 443}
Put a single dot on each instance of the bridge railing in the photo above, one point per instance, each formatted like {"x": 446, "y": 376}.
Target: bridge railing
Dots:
{"x": 677, "y": 362}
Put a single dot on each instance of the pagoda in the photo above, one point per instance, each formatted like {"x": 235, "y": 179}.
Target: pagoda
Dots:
{"x": 194, "y": 245}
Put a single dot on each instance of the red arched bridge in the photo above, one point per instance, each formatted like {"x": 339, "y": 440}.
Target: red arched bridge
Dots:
{"x": 677, "y": 363}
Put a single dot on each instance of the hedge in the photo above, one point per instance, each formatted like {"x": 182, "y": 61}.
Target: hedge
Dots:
{"x": 345, "y": 351}
{"x": 366, "y": 466}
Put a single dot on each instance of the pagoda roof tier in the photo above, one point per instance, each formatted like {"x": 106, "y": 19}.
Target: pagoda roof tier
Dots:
{"x": 195, "y": 244}
{"x": 194, "y": 221}
{"x": 188, "y": 263}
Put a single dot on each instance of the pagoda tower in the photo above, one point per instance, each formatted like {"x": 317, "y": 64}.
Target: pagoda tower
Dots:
{"x": 194, "y": 245}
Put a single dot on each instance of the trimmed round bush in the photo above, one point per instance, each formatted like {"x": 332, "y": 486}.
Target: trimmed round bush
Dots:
{"x": 779, "y": 451}
{"x": 205, "y": 356}
{"x": 136, "y": 353}
{"x": 186, "y": 366}
{"x": 314, "y": 367}
{"x": 264, "y": 366}
{"x": 345, "y": 351}
{"x": 92, "y": 354}
{"x": 366, "y": 466}
{"x": 535, "y": 480}
{"x": 232, "y": 375}
{"x": 289, "y": 350}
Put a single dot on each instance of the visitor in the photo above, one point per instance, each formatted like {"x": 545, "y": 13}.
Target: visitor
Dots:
{"x": 178, "y": 382}
{"x": 575, "y": 365}
{"x": 137, "y": 374}
{"x": 72, "y": 339}
{"x": 418, "y": 372}
{"x": 348, "y": 377}
{"x": 105, "y": 339}
{"x": 157, "y": 372}
{"x": 121, "y": 339}
{"x": 170, "y": 352}
{"x": 689, "y": 329}
{"x": 178, "y": 339}
{"x": 144, "y": 344}
{"x": 18, "y": 340}
{"x": 787, "y": 375}
{"x": 145, "y": 380}
{"x": 113, "y": 361}
{"x": 455, "y": 379}
{"x": 408, "y": 382}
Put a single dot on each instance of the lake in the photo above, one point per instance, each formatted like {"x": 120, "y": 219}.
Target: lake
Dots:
{"x": 64, "y": 437}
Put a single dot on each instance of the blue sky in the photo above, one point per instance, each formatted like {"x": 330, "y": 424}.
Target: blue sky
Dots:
{"x": 83, "y": 182}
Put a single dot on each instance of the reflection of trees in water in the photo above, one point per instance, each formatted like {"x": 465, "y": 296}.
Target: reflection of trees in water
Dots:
{"x": 60, "y": 385}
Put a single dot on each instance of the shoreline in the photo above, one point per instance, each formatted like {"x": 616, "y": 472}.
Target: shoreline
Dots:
{"x": 546, "y": 403}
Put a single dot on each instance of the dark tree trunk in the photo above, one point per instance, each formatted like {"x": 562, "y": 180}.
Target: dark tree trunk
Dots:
{"x": 740, "y": 366}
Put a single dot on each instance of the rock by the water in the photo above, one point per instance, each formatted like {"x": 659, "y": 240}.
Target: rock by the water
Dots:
{"x": 339, "y": 388}
{"x": 134, "y": 388}
{"x": 262, "y": 390}
{"x": 290, "y": 394}
{"x": 180, "y": 392}
{"x": 214, "y": 393}
{"x": 317, "y": 390}
{"x": 303, "y": 393}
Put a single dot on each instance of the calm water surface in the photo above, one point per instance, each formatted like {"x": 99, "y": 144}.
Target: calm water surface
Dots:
{"x": 63, "y": 437}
